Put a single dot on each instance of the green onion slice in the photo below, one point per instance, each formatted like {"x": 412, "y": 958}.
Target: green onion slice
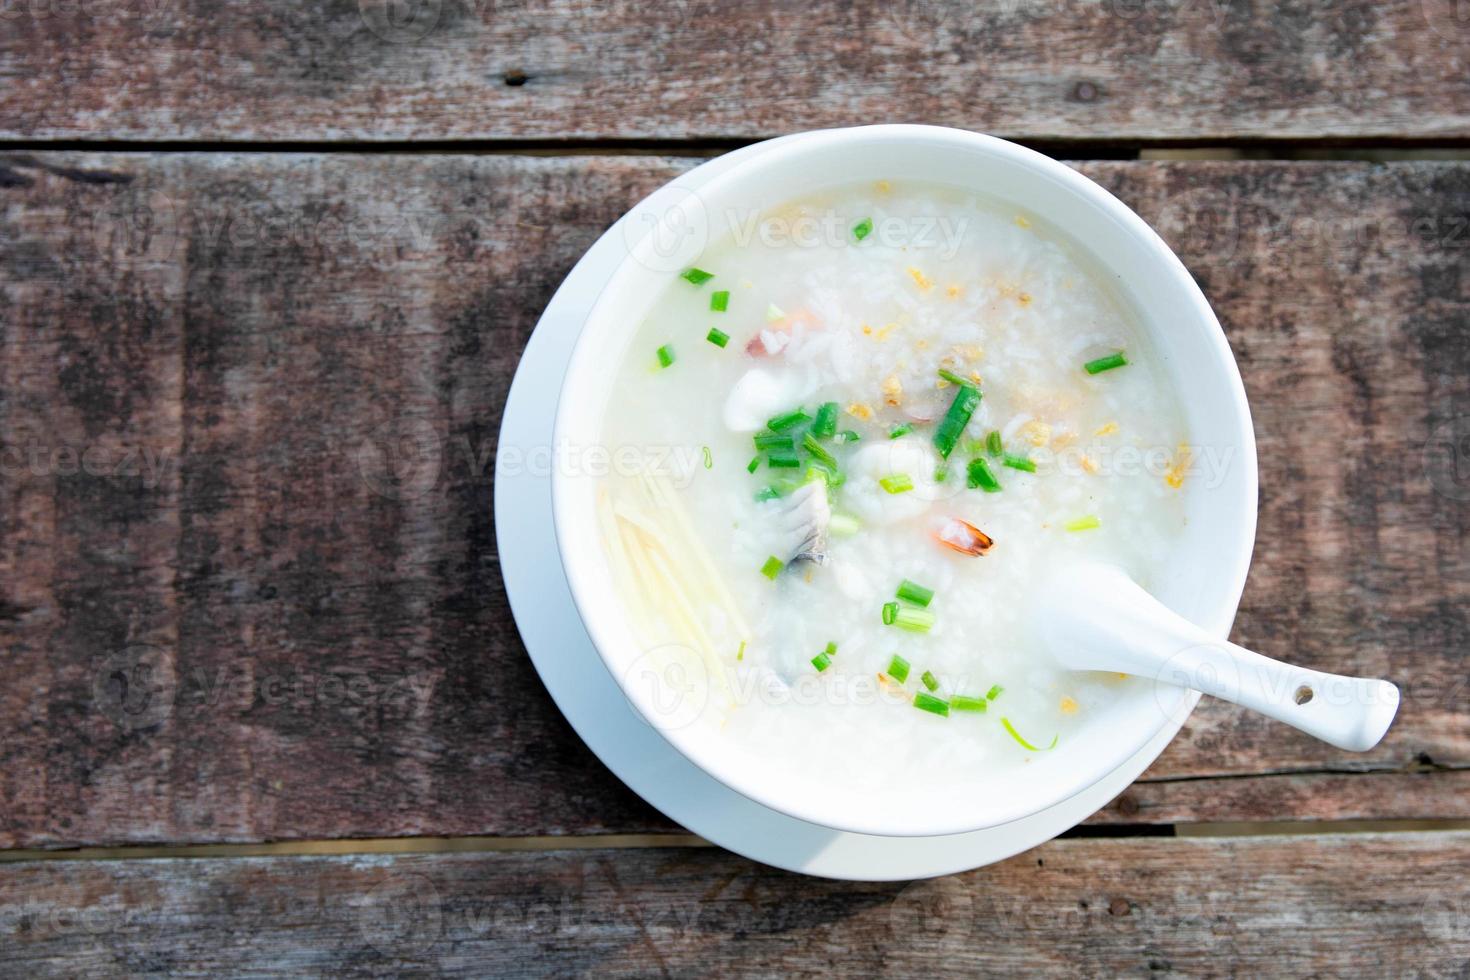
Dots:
{"x": 966, "y": 400}
{"x": 665, "y": 355}
{"x": 914, "y": 592}
{"x": 709, "y": 460}
{"x": 696, "y": 275}
{"x": 898, "y": 669}
{"x": 788, "y": 421}
{"x": 825, "y": 423}
{"x": 719, "y": 301}
{"x": 740, "y": 654}
{"x": 772, "y": 567}
{"x": 774, "y": 313}
{"x": 913, "y": 620}
{"x": 783, "y": 461}
{"x": 862, "y": 229}
{"x": 1025, "y": 744}
{"x": 821, "y": 661}
{"x": 847, "y": 435}
{"x": 754, "y": 464}
{"x": 1105, "y": 363}
{"x": 994, "y": 692}
{"x": 810, "y": 444}
{"x": 952, "y": 378}
{"x": 1018, "y": 463}
{"x": 717, "y": 337}
{"x": 1087, "y": 523}
{"x": 930, "y": 681}
{"x": 993, "y": 445}
{"x": 765, "y": 441}
{"x": 844, "y": 525}
{"x": 901, "y": 429}
{"x": 890, "y": 613}
{"x": 931, "y": 704}
{"x": 962, "y": 703}
{"x": 979, "y": 476}
{"x": 768, "y": 493}
{"x": 897, "y": 483}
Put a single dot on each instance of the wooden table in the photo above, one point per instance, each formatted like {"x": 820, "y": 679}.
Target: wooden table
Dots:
{"x": 245, "y": 244}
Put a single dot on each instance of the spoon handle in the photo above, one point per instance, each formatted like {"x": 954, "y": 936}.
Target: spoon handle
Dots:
{"x": 1110, "y": 623}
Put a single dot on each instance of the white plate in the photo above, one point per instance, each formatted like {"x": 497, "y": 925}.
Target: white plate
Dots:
{"x": 591, "y": 700}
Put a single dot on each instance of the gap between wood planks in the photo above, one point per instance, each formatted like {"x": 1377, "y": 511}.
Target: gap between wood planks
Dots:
{"x": 490, "y": 845}
{"x": 1361, "y": 151}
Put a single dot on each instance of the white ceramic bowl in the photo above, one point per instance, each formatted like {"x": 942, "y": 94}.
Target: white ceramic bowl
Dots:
{"x": 1204, "y": 584}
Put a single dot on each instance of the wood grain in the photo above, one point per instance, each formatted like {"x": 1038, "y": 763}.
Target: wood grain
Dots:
{"x": 267, "y": 632}
{"x": 1106, "y": 908}
{"x": 1121, "y": 71}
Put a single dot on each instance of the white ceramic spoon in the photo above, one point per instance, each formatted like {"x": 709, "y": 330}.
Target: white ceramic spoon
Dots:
{"x": 1094, "y": 617}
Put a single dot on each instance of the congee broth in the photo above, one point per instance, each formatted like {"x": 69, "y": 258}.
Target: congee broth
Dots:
{"x": 846, "y": 445}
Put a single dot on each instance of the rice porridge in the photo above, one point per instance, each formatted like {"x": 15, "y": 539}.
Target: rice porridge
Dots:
{"x": 846, "y": 445}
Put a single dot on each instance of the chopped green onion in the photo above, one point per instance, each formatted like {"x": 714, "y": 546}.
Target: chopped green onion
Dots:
{"x": 931, "y": 704}
{"x": 708, "y": 459}
{"x": 774, "y": 313}
{"x": 862, "y": 229}
{"x": 993, "y": 444}
{"x": 994, "y": 692}
{"x": 847, "y": 435}
{"x": 665, "y": 355}
{"x": 962, "y": 703}
{"x": 979, "y": 475}
{"x": 772, "y": 567}
{"x": 821, "y": 661}
{"x": 897, "y": 483}
{"x": 717, "y": 337}
{"x": 1087, "y": 523}
{"x": 810, "y": 444}
{"x": 966, "y": 399}
{"x": 952, "y": 378}
{"x": 844, "y": 525}
{"x": 941, "y": 473}
{"x": 825, "y": 424}
{"x": 772, "y": 440}
{"x": 720, "y": 301}
{"x": 740, "y": 654}
{"x": 767, "y": 493}
{"x": 915, "y": 593}
{"x": 913, "y": 620}
{"x": 930, "y": 681}
{"x": 828, "y": 475}
{"x": 890, "y": 613}
{"x": 696, "y": 275}
{"x": 1025, "y": 744}
{"x": 1018, "y": 463}
{"x": 788, "y": 421}
{"x": 901, "y": 429}
{"x": 783, "y": 461}
{"x": 1105, "y": 363}
{"x": 831, "y": 650}
{"x": 898, "y": 669}
{"x": 754, "y": 464}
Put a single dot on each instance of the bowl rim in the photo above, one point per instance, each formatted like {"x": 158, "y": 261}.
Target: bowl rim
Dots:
{"x": 578, "y": 566}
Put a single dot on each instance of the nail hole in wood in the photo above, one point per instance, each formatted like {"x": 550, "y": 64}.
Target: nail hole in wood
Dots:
{"x": 515, "y": 79}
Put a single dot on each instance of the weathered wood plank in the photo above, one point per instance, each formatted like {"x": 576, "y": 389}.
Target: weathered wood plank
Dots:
{"x": 1360, "y": 905}
{"x": 333, "y": 643}
{"x": 1116, "y": 70}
